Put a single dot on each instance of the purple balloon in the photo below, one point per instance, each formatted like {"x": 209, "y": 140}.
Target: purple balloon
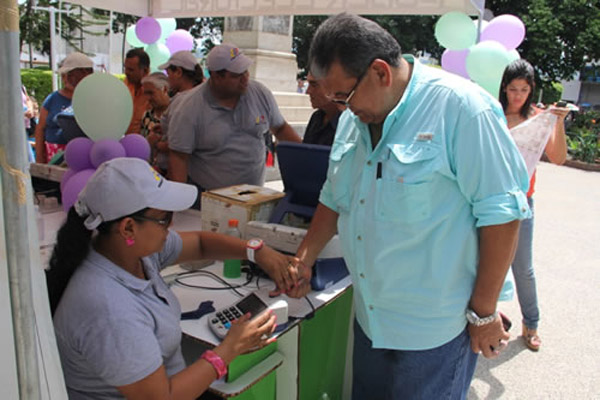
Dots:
{"x": 77, "y": 153}
{"x": 104, "y": 150}
{"x": 147, "y": 30}
{"x": 68, "y": 175}
{"x": 506, "y": 29}
{"x": 136, "y": 145}
{"x": 72, "y": 188}
{"x": 455, "y": 61}
{"x": 180, "y": 40}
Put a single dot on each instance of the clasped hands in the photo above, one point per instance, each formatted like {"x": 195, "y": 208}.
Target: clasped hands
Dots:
{"x": 290, "y": 274}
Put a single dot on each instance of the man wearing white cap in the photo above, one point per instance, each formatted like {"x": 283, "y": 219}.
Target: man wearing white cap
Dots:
{"x": 183, "y": 71}
{"x": 217, "y": 131}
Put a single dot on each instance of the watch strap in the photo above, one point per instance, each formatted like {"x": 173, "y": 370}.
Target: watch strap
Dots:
{"x": 216, "y": 361}
{"x": 475, "y": 319}
{"x": 251, "y": 250}
{"x": 250, "y": 254}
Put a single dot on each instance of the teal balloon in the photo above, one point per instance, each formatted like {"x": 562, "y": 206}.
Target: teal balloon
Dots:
{"x": 132, "y": 38}
{"x": 158, "y": 53}
{"x": 486, "y": 63}
{"x": 102, "y": 106}
{"x": 167, "y": 26}
{"x": 513, "y": 55}
{"x": 455, "y": 31}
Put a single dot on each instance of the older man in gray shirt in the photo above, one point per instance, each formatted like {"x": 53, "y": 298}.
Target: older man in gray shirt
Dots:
{"x": 217, "y": 130}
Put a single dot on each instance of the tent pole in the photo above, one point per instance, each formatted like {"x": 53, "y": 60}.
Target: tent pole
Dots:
{"x": 16, "y": 194}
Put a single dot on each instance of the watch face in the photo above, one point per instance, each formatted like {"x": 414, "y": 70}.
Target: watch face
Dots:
{"x": 255, "y": 243}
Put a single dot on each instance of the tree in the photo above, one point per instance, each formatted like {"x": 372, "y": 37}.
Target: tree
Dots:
{"x": 561, "y": 37}
{"x": 209, "y": 29}
{"x": 35, "y": 25}
{"x": 414, "y": 33}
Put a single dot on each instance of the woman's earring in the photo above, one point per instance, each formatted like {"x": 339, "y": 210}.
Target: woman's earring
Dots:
{"x": 129, "y": 242}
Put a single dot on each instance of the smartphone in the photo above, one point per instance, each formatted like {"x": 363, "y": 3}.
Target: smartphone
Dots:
{"x": 561, "y": 103}
{"x": 506, "y": 322}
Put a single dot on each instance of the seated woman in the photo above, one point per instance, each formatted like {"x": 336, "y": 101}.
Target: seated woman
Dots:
{"x": 116, "y": 320}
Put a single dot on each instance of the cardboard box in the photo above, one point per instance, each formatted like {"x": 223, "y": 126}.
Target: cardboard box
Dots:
{"x": 242, "y": 202}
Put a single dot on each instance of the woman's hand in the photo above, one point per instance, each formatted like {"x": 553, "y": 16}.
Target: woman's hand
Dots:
{"x": 245, "y": 335}
{"x": 279, "y": 267}
{"x": 560, "y": 112}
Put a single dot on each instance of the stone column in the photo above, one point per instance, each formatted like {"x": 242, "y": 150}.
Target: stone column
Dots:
{"x": 268, "y": 41}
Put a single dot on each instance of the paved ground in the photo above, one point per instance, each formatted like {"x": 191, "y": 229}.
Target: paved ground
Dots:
{"x": 567, "y": 264}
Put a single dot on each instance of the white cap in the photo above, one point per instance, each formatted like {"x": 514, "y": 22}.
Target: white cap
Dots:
{"x": 74, "y": 61}
{"x": 183, "y": 59}
{"x": 229, "y": 57}
{"x": 123, "y": 186}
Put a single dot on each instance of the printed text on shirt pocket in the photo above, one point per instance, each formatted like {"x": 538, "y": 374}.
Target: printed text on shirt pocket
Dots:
{"x": 404, "y": 190}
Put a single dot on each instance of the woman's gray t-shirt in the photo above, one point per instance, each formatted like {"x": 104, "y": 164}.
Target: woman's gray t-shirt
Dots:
{"x": 114, "y": 329}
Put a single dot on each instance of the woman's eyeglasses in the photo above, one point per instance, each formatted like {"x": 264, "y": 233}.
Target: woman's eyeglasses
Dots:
{"x": 166, "y": 221}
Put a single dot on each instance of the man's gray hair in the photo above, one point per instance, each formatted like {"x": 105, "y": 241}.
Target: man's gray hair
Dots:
{"x": 352, "y": 41}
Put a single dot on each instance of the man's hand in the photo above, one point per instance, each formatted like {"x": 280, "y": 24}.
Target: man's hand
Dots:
{"x": 488, "y": 339}
{"x": 301, "y": 285}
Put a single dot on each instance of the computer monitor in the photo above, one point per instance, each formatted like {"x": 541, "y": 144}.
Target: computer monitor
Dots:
{"x": 303, "y": 170}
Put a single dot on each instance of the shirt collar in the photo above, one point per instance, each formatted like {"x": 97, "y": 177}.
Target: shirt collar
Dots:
{"x": 116, "y": 272}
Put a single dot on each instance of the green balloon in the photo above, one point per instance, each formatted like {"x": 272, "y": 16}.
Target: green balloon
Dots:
{"x": 132, "y": 38}
{"x": 455, "y": 31}
{"x": 158, "y": 53}
{"x": 102, "y": 106}
{"x": 167, "y": 26}
{"x": 486, "y": 63}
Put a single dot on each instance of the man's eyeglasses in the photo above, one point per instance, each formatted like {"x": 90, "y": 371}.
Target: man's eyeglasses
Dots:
{"x": 166, "y": 221}
{"x": 346, "y": 102}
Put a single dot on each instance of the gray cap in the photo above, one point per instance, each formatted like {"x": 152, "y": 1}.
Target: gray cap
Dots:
{"x": 123, "y": 186}
{"x": 74, "y": 61}
{"x": 183, "y": 59}
{"x": 229, "y": 57}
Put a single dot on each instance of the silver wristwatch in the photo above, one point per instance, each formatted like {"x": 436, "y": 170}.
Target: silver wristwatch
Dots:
{"x": 476, "y": 320}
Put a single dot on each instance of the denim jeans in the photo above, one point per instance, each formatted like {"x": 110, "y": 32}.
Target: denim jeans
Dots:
{"x": 441, "y": 373}
{"x": 522, "y": 267}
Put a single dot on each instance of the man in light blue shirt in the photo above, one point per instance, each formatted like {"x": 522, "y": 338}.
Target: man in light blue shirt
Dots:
{"x": 426, "y": 189}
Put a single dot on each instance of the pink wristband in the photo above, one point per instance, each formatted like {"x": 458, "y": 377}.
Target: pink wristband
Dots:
{"x": 216, "y": 361}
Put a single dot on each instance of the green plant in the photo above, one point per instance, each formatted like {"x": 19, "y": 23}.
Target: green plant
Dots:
{"x": 38, "y": 83}
{"x": 584, "y": 145}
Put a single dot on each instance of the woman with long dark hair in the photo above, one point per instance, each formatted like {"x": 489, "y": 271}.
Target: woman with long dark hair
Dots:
{"x": 516, "y": 94}
{"x": 116, "y": 320}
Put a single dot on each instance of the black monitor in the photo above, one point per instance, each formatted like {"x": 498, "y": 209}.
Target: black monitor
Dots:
{"x": 303, "y": 170}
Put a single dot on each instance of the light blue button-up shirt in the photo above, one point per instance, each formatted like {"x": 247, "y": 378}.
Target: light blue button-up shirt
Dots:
{"x": 447, "y": 165}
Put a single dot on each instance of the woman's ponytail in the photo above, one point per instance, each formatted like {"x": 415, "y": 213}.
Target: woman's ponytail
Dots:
{"x": 72, "y": 247}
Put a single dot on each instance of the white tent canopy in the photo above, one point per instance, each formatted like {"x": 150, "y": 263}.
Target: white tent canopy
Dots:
{"x": 220, "y": 8}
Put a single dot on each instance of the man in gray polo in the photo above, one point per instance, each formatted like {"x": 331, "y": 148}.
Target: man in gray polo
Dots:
{"x": 217, "y": 130}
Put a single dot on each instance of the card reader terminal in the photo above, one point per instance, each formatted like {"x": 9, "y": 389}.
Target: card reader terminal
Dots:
{"x": 220, "y": 321}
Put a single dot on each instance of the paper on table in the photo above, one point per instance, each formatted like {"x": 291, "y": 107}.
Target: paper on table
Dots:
{"x": 531, "y": 137}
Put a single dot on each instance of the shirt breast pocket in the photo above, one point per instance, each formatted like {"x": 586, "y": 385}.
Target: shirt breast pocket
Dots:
{"x": 405, "y": 188}
{"x": 341, "y": 161}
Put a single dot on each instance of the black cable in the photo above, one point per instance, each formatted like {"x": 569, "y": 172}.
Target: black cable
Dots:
{"x": 313, "y": 310}
{"x": 227, "y": 285}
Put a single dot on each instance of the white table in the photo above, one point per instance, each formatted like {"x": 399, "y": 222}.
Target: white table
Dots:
{"x": 286, "y": 357}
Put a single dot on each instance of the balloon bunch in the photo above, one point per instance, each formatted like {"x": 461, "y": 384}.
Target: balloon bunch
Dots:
{"x": 483, "y": 62}
{"x": 103, "y": 108}
{"x": 159, "y": 38}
